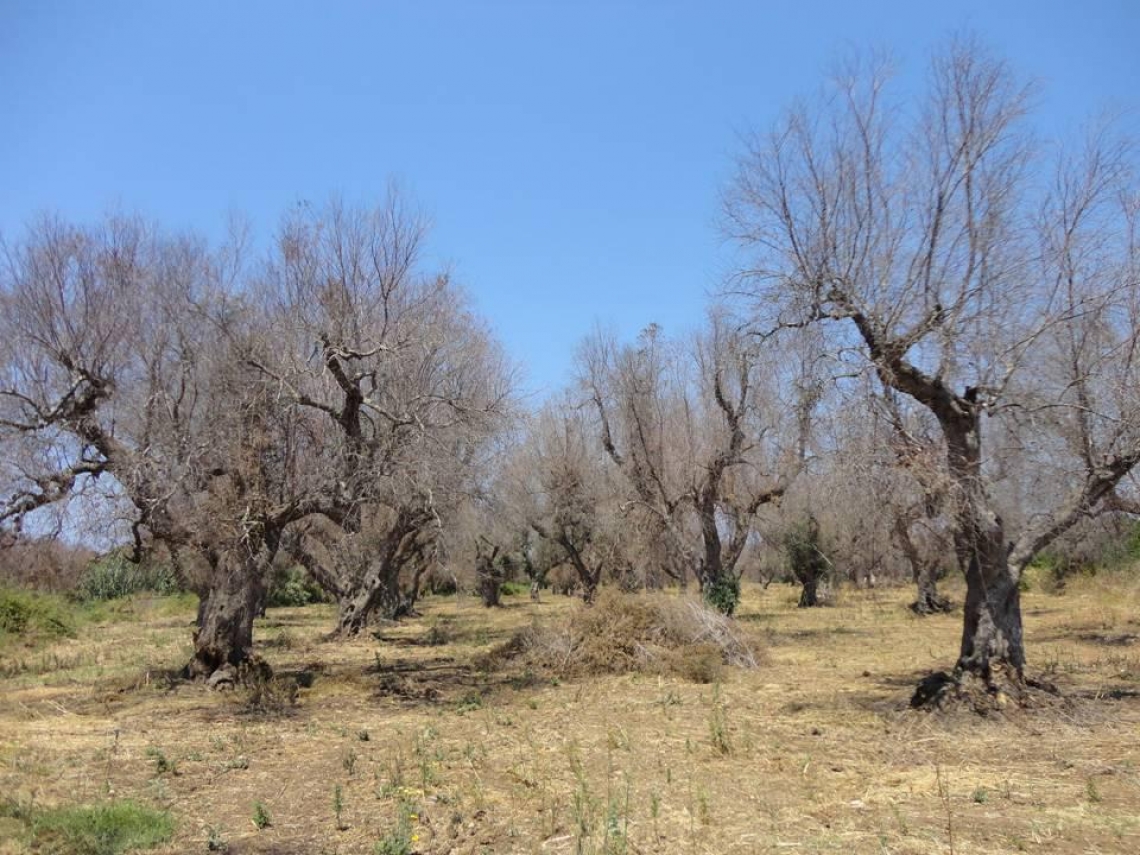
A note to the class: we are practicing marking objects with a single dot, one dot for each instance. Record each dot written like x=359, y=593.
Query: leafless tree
x=560, y=489
x=123, y=363
x=397, y=388
x=916, y=235
x=692, y=430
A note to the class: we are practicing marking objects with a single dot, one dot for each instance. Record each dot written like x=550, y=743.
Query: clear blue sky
x=570, y=154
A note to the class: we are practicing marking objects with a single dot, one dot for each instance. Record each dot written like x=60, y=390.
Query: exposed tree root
x=1002, y=690
x=931, y=605
x=227, y=675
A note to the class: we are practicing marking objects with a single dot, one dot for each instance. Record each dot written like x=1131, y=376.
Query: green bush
x=291, y=587
x=106, y=829
x=114, y=576
x=28, y=615
x=723, y=594
x=514, y=589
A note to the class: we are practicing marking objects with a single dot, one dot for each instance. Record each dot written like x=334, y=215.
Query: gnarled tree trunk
x=992, y=641
x=227, y=607
x=924, y=572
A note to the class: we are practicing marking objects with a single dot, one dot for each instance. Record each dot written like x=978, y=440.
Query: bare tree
x=559, y=488
x=123, y=364
x=691, y=430
x=398, y=389
x=918, y=239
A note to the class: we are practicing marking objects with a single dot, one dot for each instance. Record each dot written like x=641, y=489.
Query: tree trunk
x=924, y=573
x=991, y=663
x=809, y=596
x=928, y=601
x=377, y=595
x=226, y=611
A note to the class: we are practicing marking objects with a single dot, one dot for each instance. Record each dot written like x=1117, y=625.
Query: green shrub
x=28, y=615
x=106, y=829
x=514, y=589
x=261, y=817
x=114, y=576
x=291, y=587
x=723, y=594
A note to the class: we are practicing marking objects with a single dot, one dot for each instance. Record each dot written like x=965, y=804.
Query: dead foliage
x=622, y=633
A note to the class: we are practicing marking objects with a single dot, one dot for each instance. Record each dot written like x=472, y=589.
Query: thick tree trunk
x=991, y=663
x=809, y=596
x=928, y=600
x=925, y=573
x=226, y=611
x=992, y=644
x=378, y=595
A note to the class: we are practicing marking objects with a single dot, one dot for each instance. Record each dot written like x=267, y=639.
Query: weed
x=338, y=807
x=1092, y=792
x=718, y=726
x=400, y=839
x=944, y=796
x=106, y=829
x=470, y=702
x=215, y=841
x=163, y=765
x=981, y=796
x=439, y=634
x=348, y=761
x=261, y=817
x=267, y=696
x=704, y=809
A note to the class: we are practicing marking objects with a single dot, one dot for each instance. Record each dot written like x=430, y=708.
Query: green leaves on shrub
x=113, y=576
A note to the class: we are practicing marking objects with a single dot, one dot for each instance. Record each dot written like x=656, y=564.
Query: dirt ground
x=814, y=751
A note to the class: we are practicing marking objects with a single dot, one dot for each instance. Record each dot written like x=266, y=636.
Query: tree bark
x=924, y=572
x=226, y=612
x=993, y=646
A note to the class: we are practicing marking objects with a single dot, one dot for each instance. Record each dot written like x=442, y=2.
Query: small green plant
x=215, y=841
x=723, y=593
x=348, y=761
x=400, y=839
x=470, y=702
x=338, y=807
x=261, y=817
x=438, y=634
x=1092, y=792
x=981, y=796
x=718, y=726
x=163, y=765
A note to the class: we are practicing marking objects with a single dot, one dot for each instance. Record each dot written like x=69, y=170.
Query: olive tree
x=398, y=389
x=702, y=439
x=123, y=364
x=935, y=240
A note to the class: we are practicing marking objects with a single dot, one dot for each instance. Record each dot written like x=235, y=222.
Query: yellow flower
x=415, y=838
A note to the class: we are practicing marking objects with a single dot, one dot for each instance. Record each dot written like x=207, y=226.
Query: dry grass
x=632, y=633
x=813, y=751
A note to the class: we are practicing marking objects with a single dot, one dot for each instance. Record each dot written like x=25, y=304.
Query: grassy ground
x=400, y=744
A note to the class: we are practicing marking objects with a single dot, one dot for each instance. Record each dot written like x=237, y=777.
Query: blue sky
x=570, y=154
